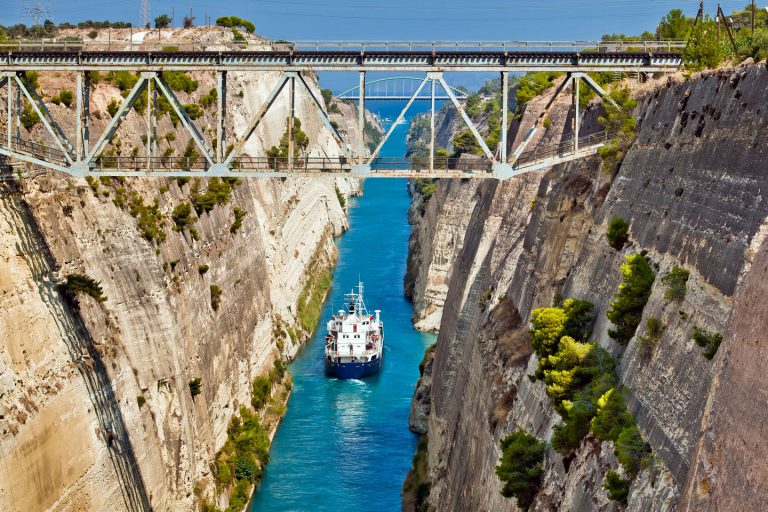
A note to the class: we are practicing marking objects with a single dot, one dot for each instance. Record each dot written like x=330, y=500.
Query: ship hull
x=353, y=370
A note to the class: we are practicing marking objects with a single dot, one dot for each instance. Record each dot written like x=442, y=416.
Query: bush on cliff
x=612, y=416
x=634, y=291
x=79, y=283
x=618, y=233
x=676, y=282
x=617, y=487
x=632, y=451
x=709, y=340
x=521, y=466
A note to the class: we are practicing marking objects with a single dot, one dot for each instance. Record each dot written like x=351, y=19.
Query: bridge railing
x=562, y=148
x=70, y=44
x=36, y=149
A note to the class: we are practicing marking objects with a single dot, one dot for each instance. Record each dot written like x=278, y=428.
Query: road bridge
x=294, y=61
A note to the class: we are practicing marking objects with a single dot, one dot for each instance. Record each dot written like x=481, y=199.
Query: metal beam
x=529, y=136
x=115, y=122
x=399, y=118
x=576, y=98
x=595, y=87
x=326, y=120
x=504, y=114
x=466, y=118
x=257, y=119
x=79, y=117
x=432, y=130
x=9, y=112
x=291, y=115
x=45, y=117
x=86, y=113
x=361, y=119
x=221, y=114
x=150, y=109
x=184, y=117
x=33, y=160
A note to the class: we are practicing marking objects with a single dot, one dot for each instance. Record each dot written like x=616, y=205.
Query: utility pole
x=718, y=24
x=144, y=13
x=753, y=18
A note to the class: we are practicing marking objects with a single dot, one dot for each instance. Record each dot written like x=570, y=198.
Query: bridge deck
x=339, y=60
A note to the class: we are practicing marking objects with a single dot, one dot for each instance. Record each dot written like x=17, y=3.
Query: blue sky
x=394, y=19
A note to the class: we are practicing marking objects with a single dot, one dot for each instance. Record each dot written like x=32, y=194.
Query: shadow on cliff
x=38, y=256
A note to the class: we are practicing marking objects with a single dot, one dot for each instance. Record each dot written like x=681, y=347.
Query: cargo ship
x=354, y=343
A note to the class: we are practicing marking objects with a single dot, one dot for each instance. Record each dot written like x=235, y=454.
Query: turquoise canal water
x=345, y=445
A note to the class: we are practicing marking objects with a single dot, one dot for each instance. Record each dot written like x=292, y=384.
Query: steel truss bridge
x=84, y=157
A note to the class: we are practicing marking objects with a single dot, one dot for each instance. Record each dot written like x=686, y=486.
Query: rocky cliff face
x=691, y=189
x=74, y=433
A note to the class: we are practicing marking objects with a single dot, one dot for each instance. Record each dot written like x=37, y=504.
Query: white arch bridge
x=80, y=156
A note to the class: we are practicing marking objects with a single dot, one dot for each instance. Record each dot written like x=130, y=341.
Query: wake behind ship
x=354, y=345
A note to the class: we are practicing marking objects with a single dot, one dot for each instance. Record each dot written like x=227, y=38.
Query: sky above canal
x=393, y=19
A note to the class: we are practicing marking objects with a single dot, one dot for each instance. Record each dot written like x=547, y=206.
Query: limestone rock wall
x=691, y=189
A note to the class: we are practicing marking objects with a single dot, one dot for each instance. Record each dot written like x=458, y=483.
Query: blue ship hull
x=353, y=370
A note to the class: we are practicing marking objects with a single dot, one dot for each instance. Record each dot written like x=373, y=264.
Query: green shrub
x=29, y=117
x=626, y=310
x=676, y=282
x=567, y=437
x=620, y=122
x=180, y=81
x=618, y=233
x=652, y=335
x=218, y=192
x=617, y=487
x=425, y=187
x=209, y=99
x=112, y=107
x=193, y=110
x=521, y=466
x=202, y=269
x=182, y=216
x=579, y=317
x=238, y=36
x=262, y=390
x=548, y=326
x=150, y=219
x=532, y=85
x=215, y=297
x=141, y=401
x=465, y=142
x=340, y=197
x=239, y=215
x=631, y=451
x=246, y=468
x=75, y=284
x=612, y=416
x=65, y=96
x=572, y=367
x=710, y=341
x=235, y=21
x=93, y=34
x=195, y=386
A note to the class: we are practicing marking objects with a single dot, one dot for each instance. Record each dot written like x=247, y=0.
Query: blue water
x=345, y=445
